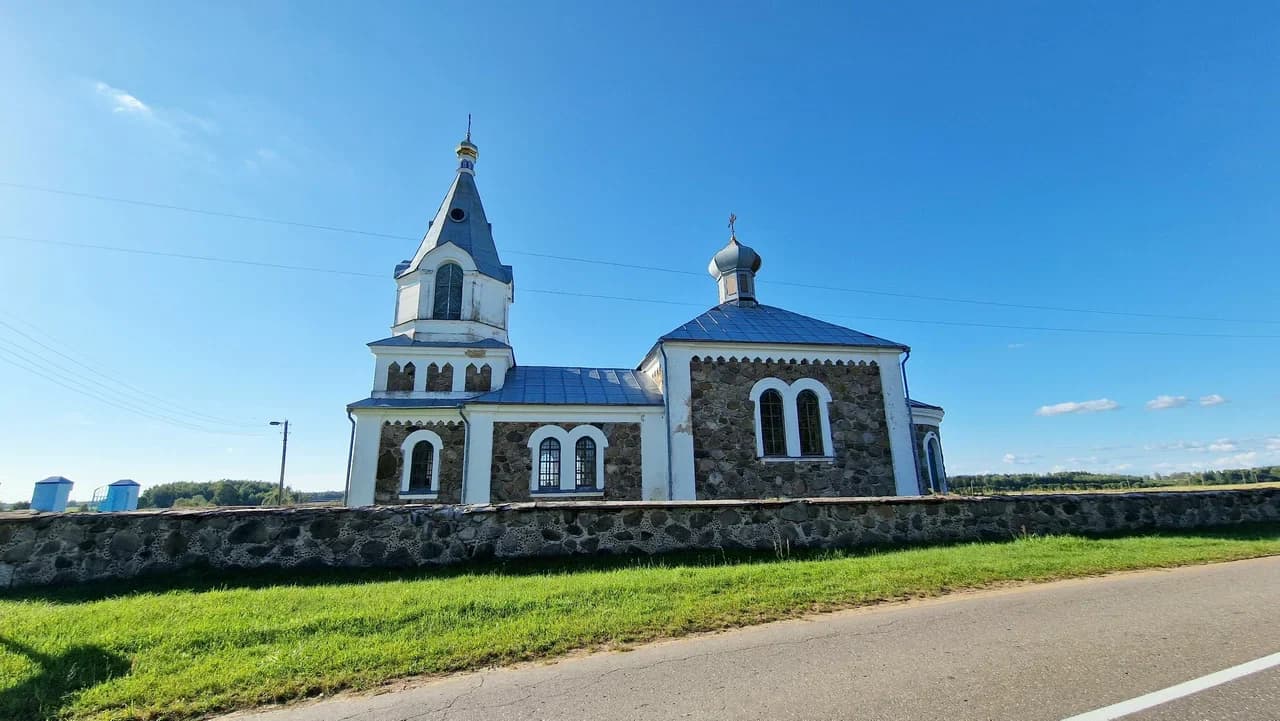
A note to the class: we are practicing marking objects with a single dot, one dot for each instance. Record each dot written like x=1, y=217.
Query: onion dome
x=734, y=269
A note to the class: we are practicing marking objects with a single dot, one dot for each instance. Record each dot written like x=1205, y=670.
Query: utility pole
x=284, y=453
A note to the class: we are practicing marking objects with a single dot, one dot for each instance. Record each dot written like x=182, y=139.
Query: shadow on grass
x=43, y=695
x=199, y=579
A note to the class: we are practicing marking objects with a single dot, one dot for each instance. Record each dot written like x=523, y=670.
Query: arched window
x=448, y=300
x=420, y=464
x=584, y=463
x=809, y=418
x=933, y=464
x=773, y=431
x=421, y=467
x=549, y=464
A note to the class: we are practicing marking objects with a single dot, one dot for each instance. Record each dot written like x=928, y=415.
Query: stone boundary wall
x=57, y=549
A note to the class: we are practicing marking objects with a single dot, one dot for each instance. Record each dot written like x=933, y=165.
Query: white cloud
x=1015, y=459
x=1094, y=406
x=1238, y=460
x=1160, y=403
x=1015, y=346
x=1223, y=445
x=1273, y=444
x=1122, y=466
x=1213, y=399
x=122, y=102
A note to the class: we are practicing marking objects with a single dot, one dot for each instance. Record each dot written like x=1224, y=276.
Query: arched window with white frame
x=420, y=474
x=549, y=465
x=935, y=472
x=792, y=419
x=580, y=473
x=584, y=463
x=809, y=422
x=448, y=293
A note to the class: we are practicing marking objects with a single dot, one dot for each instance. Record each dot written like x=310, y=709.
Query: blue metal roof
x=917, y=404
x=54, y=480
x=550, y=385
x=472, y=233
x=733, y=323
x=406, y=342
x=407, y=403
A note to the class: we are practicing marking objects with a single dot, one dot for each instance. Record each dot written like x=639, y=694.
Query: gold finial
x=733, y=233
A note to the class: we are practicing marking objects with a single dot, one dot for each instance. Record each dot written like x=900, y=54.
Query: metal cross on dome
x=733, y=233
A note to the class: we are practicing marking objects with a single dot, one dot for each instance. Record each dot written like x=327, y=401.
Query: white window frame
x=568, y=449
x=791, y=416
x=406, y=454
x=941, y=472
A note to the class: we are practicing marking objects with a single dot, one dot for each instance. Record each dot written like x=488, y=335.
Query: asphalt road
x=1036, y=653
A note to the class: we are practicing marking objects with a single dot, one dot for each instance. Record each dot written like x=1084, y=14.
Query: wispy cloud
x=121, y=101
x=1017, y=460
x=1094, y=406
x=1160, y=403
x=1015, y=346
x=1273, y=444
x=1213, y=399
x=187, y=131
x=1223, y=445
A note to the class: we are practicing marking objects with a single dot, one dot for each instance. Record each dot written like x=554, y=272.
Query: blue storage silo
x=121, y=496
x=51, y=494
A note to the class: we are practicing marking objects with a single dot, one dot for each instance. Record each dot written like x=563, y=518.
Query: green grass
x=197, y=645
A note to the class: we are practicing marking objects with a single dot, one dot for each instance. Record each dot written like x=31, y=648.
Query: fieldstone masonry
x=391, y=460
x=724, y=441
x=513, y=460
x=42, y=549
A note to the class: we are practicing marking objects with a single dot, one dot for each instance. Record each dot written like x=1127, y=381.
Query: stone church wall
x=65, y=548
x=724, y=441
x=513, y=460
x=391, y=460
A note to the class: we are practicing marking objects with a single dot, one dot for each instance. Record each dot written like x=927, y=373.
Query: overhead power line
x=138, y=393
x=24, y=363
x=548, y=291
x=615, y=264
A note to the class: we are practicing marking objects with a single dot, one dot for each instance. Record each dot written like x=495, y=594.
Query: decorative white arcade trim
x=406, y=451
x=790, y=414
x=568, y=456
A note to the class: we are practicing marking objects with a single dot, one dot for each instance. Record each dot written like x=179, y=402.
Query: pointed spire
x=468, y=153
x=734, y=269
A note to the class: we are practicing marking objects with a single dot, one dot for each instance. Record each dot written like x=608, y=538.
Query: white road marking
x=1155, y=698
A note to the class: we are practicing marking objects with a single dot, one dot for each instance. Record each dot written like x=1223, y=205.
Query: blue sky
x=1114, y=156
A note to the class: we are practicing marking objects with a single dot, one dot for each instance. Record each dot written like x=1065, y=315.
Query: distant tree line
x=1085, y=481
x=226, y=492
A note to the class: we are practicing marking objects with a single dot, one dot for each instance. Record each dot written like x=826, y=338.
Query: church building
x=745, y=401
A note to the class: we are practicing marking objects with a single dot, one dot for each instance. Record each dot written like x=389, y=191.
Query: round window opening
x=457, y=215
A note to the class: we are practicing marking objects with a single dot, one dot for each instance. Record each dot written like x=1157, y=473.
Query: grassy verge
x=195, y=646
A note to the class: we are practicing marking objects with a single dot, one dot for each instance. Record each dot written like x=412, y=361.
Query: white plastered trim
x=568, y=454
x=406, y=452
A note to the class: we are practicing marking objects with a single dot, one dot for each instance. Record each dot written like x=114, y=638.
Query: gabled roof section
x=733, y=323
x=471, y=232
x=550, y=385
x=404, y=341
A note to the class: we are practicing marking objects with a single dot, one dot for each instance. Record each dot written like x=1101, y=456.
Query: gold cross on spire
x=733, y=233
